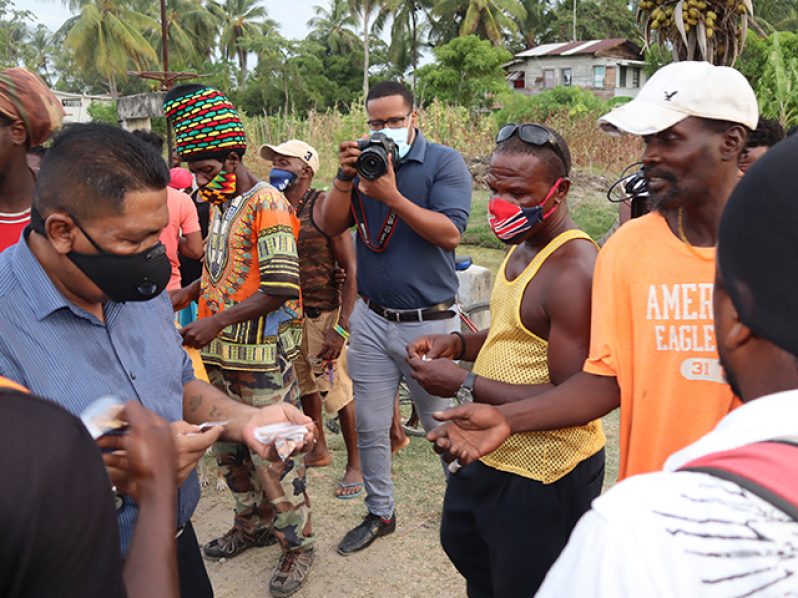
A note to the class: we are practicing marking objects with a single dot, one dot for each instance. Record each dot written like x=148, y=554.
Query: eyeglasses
x=391, y=123
x=534, y=135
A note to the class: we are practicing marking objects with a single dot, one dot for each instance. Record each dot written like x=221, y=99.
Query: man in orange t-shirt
x=652, y=351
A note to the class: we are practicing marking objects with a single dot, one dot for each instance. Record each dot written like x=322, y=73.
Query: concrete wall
x=136, y=111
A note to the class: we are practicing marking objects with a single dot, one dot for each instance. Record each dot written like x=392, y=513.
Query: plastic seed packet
x=285, y=437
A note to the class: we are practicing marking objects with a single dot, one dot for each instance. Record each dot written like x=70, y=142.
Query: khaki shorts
x=315, y=377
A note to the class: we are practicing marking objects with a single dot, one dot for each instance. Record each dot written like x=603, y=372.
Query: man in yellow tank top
x=506, y=518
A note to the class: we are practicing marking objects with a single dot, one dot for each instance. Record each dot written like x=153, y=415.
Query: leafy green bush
x=575, y=101
x=104, y=112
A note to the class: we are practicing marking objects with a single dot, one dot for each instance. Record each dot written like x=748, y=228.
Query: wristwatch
x=465, y=394
x=343, y=177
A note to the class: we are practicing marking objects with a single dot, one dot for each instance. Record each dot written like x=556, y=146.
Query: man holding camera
x=409, y=199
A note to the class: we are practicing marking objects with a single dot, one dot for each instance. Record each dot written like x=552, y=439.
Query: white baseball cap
x=293, y=148
x=683, y=89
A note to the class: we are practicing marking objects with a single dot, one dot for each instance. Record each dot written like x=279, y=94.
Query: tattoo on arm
x=215, y=412
x=194, y=403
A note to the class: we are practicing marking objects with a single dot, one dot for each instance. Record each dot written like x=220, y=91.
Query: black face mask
x=135, y=277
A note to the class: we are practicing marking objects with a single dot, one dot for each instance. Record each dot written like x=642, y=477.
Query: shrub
x=104, y=112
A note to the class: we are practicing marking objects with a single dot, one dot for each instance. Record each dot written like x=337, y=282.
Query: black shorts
x=503, y=532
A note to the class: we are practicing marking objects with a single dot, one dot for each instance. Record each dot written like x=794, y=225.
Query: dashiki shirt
x=251, y=248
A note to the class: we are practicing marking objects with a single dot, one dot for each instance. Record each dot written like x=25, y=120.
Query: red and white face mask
x=511, y=222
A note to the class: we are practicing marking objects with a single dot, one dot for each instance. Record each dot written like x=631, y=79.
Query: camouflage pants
x=266, y=493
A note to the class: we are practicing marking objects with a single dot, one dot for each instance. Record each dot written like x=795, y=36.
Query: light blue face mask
x=400, y=138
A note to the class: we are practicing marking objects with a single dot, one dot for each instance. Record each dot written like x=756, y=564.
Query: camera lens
x=372, y=163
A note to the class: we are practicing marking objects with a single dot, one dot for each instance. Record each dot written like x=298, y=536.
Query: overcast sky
x=292, y=15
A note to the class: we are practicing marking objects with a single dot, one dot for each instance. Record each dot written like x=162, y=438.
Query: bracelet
x=460, y=355
x=340, y=330
x=343, y=177
x=339, y=189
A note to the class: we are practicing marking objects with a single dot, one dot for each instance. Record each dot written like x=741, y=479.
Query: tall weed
x=473, y=136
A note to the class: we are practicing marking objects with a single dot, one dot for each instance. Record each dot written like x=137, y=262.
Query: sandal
x=343, y=487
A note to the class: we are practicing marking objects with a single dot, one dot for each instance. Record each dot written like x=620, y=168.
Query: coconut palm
x=711, y=30
x=107, y=36
x=489, y=19
x=240, y=19
x=365, y=10
x=192, y=30
x=410, y=26
x=534, y=23
x=333, y=27
x=39, y=51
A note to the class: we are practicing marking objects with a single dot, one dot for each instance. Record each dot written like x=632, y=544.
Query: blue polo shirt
x=62, y=353
x=413, y=273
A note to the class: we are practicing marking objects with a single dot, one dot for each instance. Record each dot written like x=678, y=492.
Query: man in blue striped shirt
x=83, y=315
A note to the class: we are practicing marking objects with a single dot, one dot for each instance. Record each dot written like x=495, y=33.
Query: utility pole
x=574, y=36
x=166, y=83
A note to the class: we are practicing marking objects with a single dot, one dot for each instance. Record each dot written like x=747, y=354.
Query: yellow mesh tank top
x=515, y=355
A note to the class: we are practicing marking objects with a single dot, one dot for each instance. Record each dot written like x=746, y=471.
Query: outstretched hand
x=469, y=432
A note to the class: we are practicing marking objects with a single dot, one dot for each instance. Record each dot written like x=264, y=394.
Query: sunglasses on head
x=534, y=135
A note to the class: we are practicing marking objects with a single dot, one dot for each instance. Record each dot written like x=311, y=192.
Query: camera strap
x=362, y=224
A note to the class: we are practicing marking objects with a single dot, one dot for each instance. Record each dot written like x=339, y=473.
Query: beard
x=666, y=200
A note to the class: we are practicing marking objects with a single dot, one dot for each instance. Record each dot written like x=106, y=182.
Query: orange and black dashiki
x=252, y=248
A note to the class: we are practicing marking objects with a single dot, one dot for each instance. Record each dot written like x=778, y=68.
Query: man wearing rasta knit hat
x=249, y=328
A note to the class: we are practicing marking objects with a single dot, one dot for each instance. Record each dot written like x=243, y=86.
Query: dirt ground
x=408, y=563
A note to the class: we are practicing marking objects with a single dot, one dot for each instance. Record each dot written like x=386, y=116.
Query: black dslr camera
x=373, y=160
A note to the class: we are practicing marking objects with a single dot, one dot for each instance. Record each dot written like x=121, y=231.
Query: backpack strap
x=768, y=469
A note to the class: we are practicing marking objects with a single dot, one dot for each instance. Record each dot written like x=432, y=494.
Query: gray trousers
x=377, y=352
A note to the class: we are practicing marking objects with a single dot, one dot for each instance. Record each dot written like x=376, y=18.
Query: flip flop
x=342, y=486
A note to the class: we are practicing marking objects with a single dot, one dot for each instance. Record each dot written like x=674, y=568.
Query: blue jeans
x=377, y=352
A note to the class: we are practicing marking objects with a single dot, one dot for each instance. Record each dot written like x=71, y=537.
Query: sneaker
x=363, y=535
x=236, y=541
x=291, y=572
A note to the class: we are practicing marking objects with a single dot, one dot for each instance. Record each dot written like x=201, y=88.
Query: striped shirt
x=63, y=353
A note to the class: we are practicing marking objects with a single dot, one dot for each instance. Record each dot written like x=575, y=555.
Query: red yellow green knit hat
x=206, y=124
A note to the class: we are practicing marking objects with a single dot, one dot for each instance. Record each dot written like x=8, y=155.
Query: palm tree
x=534, y=24
x=106, y=36
x=240, y=19
x=333, y=27
x=192, y=30
x=39, y=51
x=716, y=32
x=408, y=29
x=365, y=9
x=489, y=19
x=203, y=26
